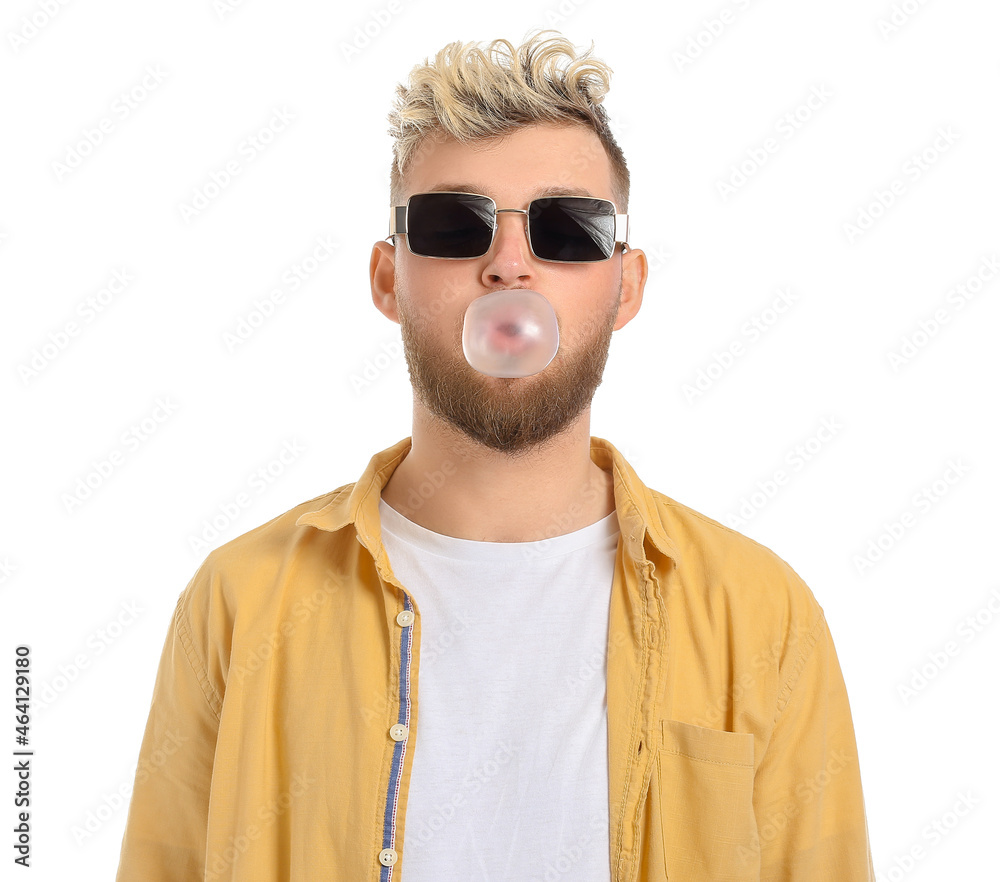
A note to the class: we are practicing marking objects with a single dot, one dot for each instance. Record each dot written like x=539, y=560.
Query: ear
x=382, y=270
x=635, y=271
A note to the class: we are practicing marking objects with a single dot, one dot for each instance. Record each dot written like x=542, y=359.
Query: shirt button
x=405, y=617
x=387, y=857
x=398, y=732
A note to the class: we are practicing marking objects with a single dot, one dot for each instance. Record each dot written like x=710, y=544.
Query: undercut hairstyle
x=470, y=93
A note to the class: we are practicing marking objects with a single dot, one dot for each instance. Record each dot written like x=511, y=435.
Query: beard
x=512, y=415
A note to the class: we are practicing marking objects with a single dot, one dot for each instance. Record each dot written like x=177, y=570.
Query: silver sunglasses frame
x=398, y=216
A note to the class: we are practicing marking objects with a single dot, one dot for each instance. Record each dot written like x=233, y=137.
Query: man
x=498, y=655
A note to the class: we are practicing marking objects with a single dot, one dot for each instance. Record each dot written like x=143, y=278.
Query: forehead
x=540, y=160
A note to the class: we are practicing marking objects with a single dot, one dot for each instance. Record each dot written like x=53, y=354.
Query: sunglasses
x=457, y=226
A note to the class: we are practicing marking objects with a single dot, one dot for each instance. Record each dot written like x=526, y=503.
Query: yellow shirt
x=288, y=692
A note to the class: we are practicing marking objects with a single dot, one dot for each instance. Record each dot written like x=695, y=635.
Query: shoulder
x=749, y=577
x=247, y=565
x=731, y=589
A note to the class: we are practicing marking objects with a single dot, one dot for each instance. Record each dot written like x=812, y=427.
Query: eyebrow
x=465, y=187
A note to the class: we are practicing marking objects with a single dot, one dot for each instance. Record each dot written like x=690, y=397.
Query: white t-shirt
x=510, y=764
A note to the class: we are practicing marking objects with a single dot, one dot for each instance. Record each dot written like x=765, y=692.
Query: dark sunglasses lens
x=449, y=224
x=572, y=228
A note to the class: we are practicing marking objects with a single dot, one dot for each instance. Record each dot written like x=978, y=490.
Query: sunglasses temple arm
x=621, y=229
x=397, y=219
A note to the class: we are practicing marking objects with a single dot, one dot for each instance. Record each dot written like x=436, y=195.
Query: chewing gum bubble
x=511, y=333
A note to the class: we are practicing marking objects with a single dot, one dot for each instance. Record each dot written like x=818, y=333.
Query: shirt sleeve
x=166, y=830
x=808, y=800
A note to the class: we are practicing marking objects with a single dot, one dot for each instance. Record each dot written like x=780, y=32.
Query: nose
x=510, y=254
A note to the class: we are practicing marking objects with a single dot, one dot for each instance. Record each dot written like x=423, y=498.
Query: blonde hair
x=471, y=93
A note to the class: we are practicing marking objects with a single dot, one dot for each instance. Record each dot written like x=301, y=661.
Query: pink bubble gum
x=511, y=333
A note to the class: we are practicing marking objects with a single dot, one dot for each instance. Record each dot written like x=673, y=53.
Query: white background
x=70, y=572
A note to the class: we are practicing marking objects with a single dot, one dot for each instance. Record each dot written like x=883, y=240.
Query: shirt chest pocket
x=705, y=781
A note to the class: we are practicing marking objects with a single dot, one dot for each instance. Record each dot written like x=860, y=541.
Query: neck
x=452, y=485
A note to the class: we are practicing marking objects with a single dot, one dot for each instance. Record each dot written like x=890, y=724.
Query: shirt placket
x=399, y=733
